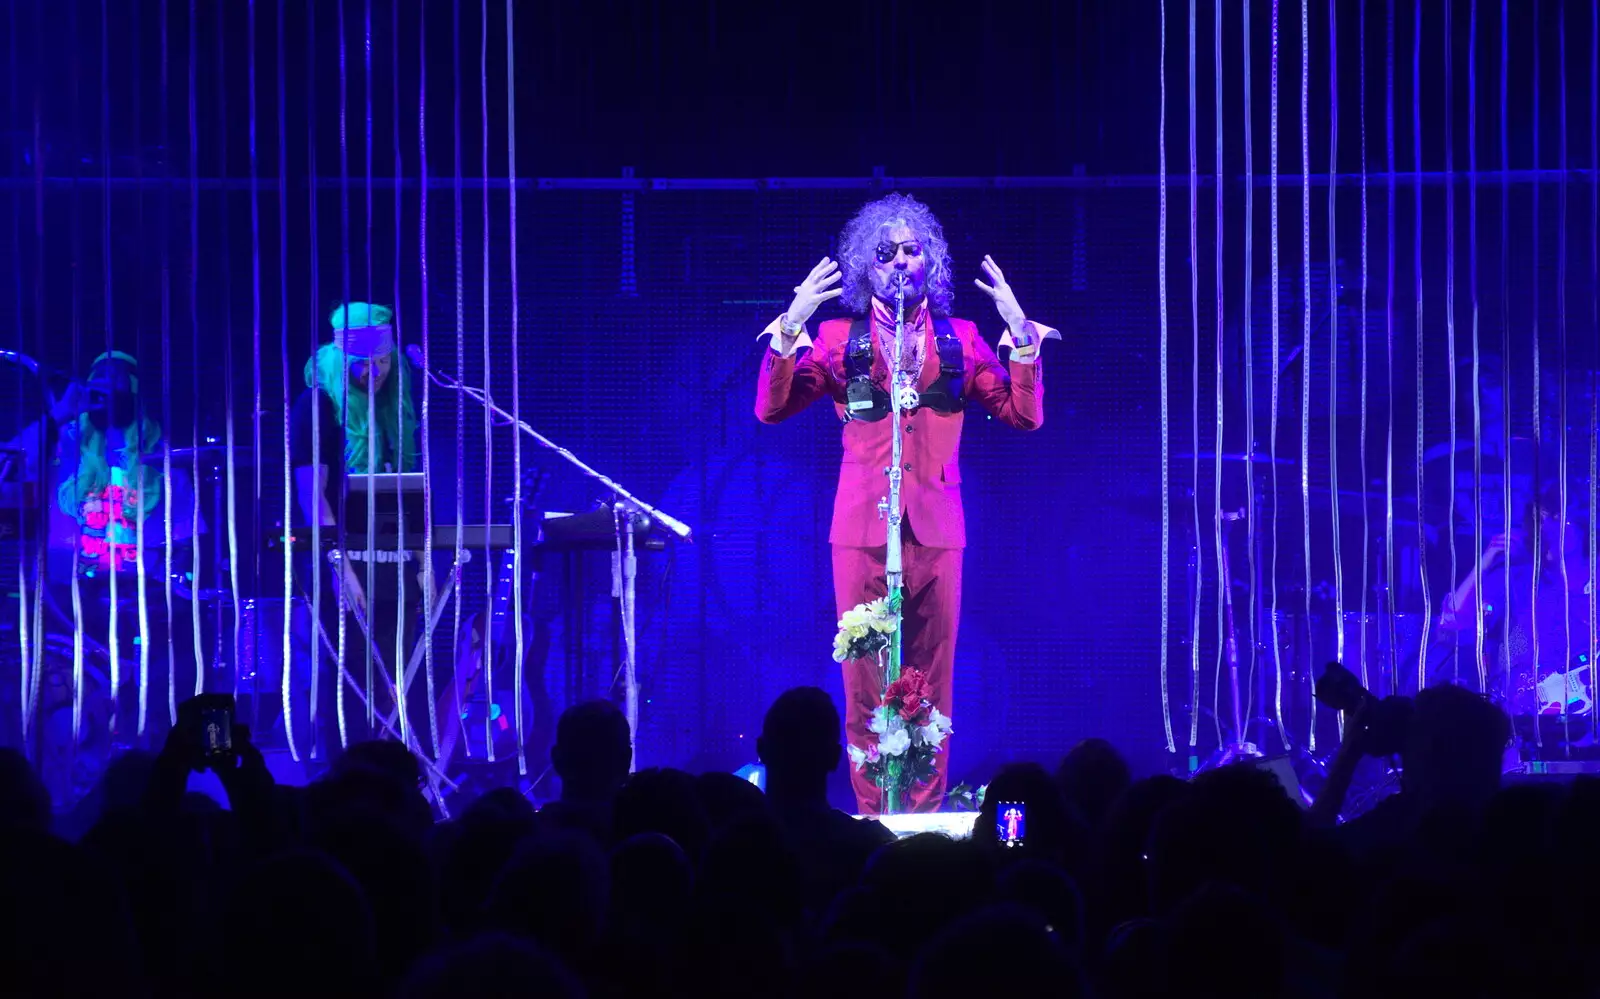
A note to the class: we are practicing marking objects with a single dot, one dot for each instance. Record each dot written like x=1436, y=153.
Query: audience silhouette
x=665, y=883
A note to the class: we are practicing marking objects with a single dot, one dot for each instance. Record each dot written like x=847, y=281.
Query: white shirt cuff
x=782, y=345
x=1025, y=342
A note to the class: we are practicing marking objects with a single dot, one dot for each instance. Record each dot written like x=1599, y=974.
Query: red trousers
x=929, y=615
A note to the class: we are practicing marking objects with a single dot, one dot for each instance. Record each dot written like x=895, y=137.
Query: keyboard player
x=356, y=415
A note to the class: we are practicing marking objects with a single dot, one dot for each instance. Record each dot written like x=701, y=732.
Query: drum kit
x=1286, y=622
x=1292, y=603
x=76, y=719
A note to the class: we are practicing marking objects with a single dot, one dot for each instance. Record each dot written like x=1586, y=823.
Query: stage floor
x=956, y=825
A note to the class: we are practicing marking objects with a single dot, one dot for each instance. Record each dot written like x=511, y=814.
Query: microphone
x=414, y=355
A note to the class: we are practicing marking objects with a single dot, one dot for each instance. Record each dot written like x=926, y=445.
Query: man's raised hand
x=813, y=291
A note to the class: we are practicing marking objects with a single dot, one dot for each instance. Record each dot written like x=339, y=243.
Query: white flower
x=895, y=742
x=930, y=735
x=858, y=756
x=886, y=722
x=938, y=720
x=841, y=647
x=855, y=617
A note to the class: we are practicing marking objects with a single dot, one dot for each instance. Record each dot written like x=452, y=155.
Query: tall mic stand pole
x=901, y=397
x=625, y=563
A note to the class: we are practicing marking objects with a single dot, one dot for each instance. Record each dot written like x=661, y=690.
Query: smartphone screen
x=1011, y=823
x=216, y=724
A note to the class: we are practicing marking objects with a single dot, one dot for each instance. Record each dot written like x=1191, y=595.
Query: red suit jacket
x=931, y=484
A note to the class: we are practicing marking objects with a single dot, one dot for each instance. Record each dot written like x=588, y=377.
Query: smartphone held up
x=1011, y=823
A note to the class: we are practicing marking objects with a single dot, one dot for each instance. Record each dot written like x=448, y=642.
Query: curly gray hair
x=859, y=239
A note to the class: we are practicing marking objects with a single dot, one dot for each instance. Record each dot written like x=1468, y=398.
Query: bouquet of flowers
x=865, y=631
x=910, y=732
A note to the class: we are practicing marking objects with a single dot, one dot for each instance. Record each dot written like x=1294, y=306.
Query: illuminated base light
x=956, y=825
x=755, y=773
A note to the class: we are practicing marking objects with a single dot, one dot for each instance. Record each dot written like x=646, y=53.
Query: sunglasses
x=887, y=251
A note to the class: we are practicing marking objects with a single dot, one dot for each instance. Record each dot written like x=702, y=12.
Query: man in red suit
x=891, y=241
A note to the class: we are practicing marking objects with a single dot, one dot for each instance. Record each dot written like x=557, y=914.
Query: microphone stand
x=901, y=390
x=625, y=563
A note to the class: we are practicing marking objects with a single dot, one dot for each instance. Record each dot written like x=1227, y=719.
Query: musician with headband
x=897, y=241
x=356, y=415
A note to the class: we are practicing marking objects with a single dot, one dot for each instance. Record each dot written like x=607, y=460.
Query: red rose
x=908, y=694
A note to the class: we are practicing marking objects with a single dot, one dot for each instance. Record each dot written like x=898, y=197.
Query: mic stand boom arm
x=625, y=563
x=673, y=524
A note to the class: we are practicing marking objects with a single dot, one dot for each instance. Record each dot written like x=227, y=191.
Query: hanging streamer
x=229, y=471
x=1477, y=352
x=1224, y=638
x=1561, y=335
x=1305, y=343
x=285, y=684
x=1416, y=153
x=1505, y=319
x=1538, y=371
x=1366, y=481
x=1277, y=367
x=1250, y=525
x=1166, y=422
x=166, y=367
x=24, y=617
x=77, y=365
x=231, y=494
x=194, y=575
x=1450, y=315
x=142, y=584
x=1388, y=471
x=112, y=644
x=397, y=658
x=457, y=721
x=516, y=405
x=1333, y=342
x=488, y=420
x=364, y=620
x=1194, y=400
x=37, y=660
x=380, y=664
x=1594, y=320
x=257, y=385
x=429, y=588
x=314, y=326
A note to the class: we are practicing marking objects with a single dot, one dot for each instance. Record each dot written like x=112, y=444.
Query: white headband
x=365, y=341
